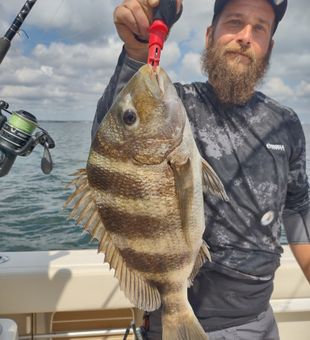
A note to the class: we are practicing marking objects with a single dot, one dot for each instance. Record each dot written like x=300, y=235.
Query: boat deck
x=72, y=294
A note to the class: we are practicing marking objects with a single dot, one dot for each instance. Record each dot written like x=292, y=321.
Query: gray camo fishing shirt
x=258, y=151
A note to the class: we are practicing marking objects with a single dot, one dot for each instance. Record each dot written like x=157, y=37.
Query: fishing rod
x=20, y=132
x=5, y=41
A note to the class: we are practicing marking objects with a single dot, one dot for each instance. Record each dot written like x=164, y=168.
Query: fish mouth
x=158, y=81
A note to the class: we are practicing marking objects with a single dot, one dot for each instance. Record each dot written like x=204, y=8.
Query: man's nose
x=244, y=37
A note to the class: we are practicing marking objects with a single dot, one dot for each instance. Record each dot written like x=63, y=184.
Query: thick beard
x=232, y=86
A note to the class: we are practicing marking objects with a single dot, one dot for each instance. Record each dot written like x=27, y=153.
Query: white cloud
x=170, y=54
x=79, y=56
x=59, y=81
x=275, y=87
x=303, y=89
x=61, y=71
x=190, y=67
x=84, y=19
x=30, y=76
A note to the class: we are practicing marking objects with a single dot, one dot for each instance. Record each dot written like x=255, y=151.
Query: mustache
x=243, y=51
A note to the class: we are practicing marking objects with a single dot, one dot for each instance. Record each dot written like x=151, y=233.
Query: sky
x=61, y=61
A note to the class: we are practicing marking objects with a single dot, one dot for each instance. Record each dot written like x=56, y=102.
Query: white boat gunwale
x=49, y=282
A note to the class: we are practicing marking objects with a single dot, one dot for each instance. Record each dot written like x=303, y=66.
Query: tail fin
x=184, y=327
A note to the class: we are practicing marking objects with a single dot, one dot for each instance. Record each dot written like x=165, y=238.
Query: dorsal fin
x=142, y=294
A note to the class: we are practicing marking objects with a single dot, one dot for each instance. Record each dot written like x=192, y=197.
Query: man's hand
x=133, y=17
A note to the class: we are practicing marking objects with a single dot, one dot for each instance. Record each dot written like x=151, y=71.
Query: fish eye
x=129, y=117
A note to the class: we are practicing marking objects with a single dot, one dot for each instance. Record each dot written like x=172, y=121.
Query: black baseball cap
x=279, y=7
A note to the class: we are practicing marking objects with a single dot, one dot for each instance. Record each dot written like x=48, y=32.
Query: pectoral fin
x=211, y=182
x=180, y=164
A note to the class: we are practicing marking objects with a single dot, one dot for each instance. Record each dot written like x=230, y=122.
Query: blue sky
x=60, y=72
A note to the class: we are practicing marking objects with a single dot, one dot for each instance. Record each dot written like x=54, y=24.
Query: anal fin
x=85, y=211
x=201, y=258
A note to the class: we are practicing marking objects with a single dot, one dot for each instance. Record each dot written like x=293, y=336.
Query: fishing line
x=51, y=21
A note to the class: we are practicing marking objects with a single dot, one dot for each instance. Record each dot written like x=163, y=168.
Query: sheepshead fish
x=141, y=196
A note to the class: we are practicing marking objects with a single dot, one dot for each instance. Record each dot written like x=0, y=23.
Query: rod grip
x=4, y=47
x=167, y=12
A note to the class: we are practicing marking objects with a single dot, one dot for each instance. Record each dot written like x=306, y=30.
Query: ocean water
x=31, y=203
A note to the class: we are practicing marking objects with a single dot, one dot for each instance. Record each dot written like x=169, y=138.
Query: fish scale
x=141, y=196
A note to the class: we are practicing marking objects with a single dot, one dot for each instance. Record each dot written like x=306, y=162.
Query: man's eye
x=259, y=28
x=235, y=22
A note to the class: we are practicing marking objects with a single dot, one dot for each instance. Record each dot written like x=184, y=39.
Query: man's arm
x=132, y=19
x=125, y=69
x=297, y=226
x=296, y=215
x=302, y=255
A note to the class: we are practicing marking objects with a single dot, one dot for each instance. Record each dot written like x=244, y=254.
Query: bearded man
x=257, y=148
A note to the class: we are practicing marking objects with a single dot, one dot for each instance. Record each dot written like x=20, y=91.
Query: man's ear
x=208, y=35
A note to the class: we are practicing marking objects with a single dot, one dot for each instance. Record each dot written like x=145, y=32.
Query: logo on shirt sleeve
x=275, y=147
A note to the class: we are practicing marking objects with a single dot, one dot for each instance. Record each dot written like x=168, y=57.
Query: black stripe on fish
x=168, y=287
x=155, y=263
x=111, y=177
x=132, y=225
x=114, y=182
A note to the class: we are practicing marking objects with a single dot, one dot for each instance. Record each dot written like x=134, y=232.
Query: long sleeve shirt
x=258, y=151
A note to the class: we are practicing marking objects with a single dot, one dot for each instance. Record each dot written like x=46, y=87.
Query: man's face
x=238, y=49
